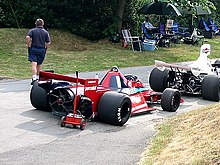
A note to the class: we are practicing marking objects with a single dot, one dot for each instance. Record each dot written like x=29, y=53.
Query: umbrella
x=197, y=9
x=159, y=8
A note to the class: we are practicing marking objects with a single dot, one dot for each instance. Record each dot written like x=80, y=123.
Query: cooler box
x=149, y=45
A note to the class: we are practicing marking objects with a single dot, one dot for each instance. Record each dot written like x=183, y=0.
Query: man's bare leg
x=34, y=71
x=38, y=70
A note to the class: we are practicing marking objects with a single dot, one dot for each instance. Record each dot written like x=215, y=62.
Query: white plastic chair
x=169, y=25
x=128, y=39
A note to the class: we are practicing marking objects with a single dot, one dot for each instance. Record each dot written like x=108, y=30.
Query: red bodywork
x=140, y=96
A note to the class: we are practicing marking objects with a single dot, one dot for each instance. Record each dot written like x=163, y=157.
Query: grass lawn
x=69, y=53
x=191, y=138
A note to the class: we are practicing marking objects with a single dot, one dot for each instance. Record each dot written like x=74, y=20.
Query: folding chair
x=206, y=30
x=169, y=26
x=145, y=33
x=166, y=40
x=149, y=36
x=194, y=38
x=162, y=29
x=181, y=31
x=134, y=41
x=213, y=26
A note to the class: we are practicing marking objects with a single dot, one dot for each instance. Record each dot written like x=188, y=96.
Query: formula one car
x=112, y=101
x=198, y=78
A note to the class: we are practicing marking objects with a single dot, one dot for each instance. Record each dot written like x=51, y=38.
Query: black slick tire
x=170, y=100
x=158, y=79
x=62, y=124
x=114, y=108
x=210, y=88
x=39, y=98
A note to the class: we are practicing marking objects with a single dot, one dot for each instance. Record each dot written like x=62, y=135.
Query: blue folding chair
x=149, y=36
x=205, y=28
x=145, y=33
x=213, y=26
x=162, y=29
x=180, y=31
x=203, y=25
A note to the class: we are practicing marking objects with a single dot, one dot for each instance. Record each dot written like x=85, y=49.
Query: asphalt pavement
x=29, y=136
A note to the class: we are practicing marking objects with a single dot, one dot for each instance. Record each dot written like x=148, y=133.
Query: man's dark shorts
x=36, y=55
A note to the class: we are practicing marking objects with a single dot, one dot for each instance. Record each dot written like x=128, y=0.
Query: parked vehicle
x=112, y=100
x=199, y=78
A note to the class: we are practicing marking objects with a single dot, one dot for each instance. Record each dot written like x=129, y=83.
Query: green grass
x=159, y=143
x=69, y=53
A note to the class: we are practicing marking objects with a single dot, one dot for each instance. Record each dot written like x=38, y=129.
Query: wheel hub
x=60, y=100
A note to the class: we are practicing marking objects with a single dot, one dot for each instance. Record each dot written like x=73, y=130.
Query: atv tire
x=114, y=108
x=170, y=100
x=211, y=88
x=158, y=79
x=39, y=98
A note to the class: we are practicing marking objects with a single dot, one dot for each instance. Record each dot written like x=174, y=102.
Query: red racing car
x=112, y=100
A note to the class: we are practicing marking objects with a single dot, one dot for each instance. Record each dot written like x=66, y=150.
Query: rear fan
x=61, y=101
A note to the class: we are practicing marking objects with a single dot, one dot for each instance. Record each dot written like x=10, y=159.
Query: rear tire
x=158, y=79
x=170, y=100
x=114, y=108
x=39, y=98
x=211, y=88
x=216, y=63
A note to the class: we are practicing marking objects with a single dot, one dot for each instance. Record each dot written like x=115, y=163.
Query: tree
x=92, y=19
x=217, y=12
x=120, y=14
x=189, y=4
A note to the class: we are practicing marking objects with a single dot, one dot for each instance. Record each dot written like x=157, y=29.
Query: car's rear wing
x=164, y=64
x=84, y=81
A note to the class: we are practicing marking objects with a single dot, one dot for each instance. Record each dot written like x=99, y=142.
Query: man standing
x=38, y=41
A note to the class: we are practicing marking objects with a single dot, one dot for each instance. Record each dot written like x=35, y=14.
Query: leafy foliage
x=92, y=19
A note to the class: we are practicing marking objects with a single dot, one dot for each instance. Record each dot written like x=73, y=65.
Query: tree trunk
x=14, y=14
x=120, y=14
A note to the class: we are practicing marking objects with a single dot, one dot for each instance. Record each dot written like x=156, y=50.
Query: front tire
x=82, y=124
x=170, y=100
x=210, y=89
x=158, y=79
x=114, y=108
x=39, y=97
x=62, y=124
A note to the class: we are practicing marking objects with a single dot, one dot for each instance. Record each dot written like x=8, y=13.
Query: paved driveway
x=30, y=136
